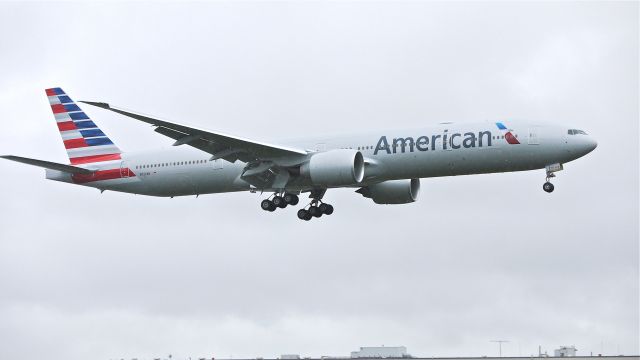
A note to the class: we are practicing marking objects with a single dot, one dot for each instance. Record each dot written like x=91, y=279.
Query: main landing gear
x=279, y=201
x=316, y=208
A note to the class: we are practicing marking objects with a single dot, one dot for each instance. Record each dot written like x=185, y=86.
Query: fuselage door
x=534, y=135
x=218, y=164
x=124, y=170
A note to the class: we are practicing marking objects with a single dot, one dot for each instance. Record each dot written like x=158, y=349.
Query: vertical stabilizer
x=84, y=141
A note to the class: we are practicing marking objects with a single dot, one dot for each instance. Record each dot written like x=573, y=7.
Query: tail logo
x=511, y=139
x=84, y=141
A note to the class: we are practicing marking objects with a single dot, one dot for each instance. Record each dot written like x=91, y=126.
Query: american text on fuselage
x=421, y=143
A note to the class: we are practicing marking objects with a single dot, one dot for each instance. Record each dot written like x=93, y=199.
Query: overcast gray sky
x=89, y=275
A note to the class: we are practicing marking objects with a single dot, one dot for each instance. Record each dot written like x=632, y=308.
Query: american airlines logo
x=444, y=141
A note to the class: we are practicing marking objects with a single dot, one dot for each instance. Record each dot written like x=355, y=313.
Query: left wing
x=219, y=145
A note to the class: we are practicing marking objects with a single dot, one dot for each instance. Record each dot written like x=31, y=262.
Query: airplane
x=384, y=166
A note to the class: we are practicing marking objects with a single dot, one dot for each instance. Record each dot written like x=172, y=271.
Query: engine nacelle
x=339, y=167
x=392, y=191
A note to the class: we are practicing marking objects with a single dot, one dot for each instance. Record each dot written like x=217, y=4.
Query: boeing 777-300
x=385, y=166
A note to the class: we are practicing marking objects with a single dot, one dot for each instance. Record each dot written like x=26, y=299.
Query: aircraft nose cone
x=591, y=144
x=587, y=144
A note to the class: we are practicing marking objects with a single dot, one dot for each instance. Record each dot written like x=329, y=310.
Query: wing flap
x=217, y=151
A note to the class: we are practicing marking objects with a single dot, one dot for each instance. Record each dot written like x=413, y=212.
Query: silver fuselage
x=470, y=148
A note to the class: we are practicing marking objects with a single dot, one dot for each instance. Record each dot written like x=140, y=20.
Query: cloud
x=478, y=257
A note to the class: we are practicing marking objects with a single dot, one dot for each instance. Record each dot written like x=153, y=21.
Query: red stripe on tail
x=58, y=108
x=94, y=158
x=75, y=143
x=66, y=126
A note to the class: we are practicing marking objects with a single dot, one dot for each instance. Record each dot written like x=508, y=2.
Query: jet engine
x=392, y=191
x=339, y=167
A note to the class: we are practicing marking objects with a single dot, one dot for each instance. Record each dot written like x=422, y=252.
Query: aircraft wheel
x=322, y=207
x=304, y=215
x=291, y=199
x=279, y=202
x=315, y=211
x=328, y=210
x=267, y=205
x=548, y=187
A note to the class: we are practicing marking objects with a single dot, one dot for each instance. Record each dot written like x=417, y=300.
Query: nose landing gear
x=548, y=186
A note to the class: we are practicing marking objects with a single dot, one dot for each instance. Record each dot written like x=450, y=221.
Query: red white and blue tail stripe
x=84, y=141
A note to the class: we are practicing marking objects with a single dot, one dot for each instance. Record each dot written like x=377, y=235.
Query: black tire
x=302, y=214
x=266, y=205
x=548, y=187
x=322, y=207
x=315, y=211
x=291, y=199
x=328, y=210
x=279, y=202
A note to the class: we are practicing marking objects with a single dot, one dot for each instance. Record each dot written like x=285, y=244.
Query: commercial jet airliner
x=385, y=166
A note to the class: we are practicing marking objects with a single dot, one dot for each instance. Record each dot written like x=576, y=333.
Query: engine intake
x=392, y=191
x=339, y=167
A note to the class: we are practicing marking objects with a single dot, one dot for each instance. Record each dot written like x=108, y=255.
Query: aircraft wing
x=219, y=145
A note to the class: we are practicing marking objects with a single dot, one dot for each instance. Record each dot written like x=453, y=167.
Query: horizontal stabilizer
x=49, y=165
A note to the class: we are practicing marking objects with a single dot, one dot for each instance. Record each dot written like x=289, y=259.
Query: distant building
x=565, y=351
x=381, y=352
x=290, y=357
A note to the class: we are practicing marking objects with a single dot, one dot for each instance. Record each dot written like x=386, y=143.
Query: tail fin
x=84, y=141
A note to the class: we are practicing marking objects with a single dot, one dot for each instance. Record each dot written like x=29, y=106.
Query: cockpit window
x=576, y=132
